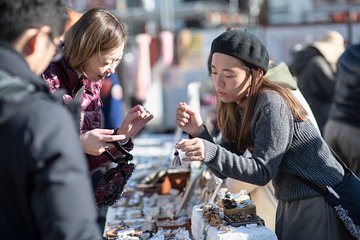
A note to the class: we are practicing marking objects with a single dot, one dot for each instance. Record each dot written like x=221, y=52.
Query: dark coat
x=346, y=103
x=44, y=180
x=316, y=81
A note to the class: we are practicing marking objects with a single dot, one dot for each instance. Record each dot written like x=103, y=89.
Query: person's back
x=315, y=69
x=46, y=191
x=342, y=130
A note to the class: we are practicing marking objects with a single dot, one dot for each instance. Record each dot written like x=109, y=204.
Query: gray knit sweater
x=285, y=150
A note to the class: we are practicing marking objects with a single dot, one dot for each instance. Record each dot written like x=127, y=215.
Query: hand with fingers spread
x=189, y=120
x=193, y=148
x=135, y=120
x=95, y=141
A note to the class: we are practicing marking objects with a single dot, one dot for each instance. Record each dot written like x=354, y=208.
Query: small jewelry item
x=176, y=161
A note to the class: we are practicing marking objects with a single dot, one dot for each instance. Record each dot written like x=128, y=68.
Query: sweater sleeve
x=271, y=133
x=205, y=135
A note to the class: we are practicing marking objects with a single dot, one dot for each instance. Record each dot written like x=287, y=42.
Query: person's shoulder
x=59, y=69
x=270, y=100
x=53, y=69
x=50, y=106
x=351, y=54
x=269, y=96
x=306, y=54
x=46, y=111
x=355, y=48
x=348, y=75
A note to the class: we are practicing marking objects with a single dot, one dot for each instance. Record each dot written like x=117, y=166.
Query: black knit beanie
x=242, y=45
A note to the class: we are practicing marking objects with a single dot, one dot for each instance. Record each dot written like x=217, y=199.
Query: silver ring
x=147, y=111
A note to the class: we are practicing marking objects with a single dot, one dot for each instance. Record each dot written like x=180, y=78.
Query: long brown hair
x=236, y=128
x=98, y=30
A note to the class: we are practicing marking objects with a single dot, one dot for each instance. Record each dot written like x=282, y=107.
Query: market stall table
x=138, y=213
x=200, y=230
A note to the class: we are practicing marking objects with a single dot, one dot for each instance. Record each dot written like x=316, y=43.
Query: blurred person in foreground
x=266, y=119
x=45, y=186
x=315, y=69
x=342, y=131
x=92, y=49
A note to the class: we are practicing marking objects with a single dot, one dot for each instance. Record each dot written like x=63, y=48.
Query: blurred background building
x=169, y=40
x=173, y=13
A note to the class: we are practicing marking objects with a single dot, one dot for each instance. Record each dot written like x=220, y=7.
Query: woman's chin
x=96, y=79
x=225, y=100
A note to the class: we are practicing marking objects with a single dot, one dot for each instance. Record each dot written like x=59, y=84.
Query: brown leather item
x=113, y=182
x=174, y=180
x=165, y=180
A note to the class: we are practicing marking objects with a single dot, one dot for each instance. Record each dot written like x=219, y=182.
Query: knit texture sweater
x=284, y=150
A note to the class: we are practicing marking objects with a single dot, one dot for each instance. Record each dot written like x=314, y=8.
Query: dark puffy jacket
x=316, y=81
x=59, y=75
x=44, y=179
x=346, y=103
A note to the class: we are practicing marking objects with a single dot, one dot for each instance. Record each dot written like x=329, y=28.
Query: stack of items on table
x=232, y=217
x=238, y=209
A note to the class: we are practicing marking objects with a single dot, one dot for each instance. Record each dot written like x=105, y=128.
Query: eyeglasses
x=59, y=53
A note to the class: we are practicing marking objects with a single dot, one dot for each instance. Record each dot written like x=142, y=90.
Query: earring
x=248, y=92
x=82, y=69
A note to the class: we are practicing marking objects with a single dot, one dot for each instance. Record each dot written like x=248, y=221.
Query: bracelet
x=115, y=130
x=121, y=142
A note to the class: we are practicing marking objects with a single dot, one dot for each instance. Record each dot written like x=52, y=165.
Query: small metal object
x=147, y=111
x=176, y=161
x=332, y=191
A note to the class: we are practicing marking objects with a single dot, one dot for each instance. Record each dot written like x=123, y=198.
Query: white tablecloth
x=200, y=230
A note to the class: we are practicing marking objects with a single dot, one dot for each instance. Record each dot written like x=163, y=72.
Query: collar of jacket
x=13, y=63
x=68, y=77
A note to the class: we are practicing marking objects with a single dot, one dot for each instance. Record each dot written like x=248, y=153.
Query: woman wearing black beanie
x=256, y=114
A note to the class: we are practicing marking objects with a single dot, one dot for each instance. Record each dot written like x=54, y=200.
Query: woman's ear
x=260, y=73
x=30, y=44
x=34, y=48
x=33, y=38
x=25, y=45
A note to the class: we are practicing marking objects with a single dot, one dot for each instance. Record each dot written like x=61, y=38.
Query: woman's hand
x=193, y=149
x=135, y=120
x=188, y=120
x=95, y=141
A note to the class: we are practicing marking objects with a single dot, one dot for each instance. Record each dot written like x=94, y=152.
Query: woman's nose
x=111, y=69
x=219, y=80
